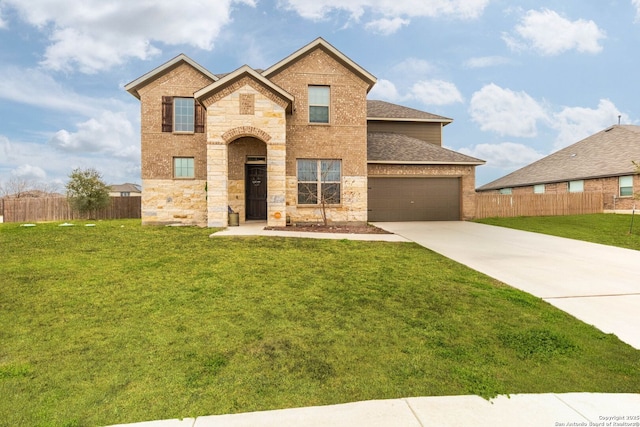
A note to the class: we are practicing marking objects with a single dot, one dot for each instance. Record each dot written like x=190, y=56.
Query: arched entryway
x=247, y=172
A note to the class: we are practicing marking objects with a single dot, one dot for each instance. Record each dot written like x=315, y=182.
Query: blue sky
x=521, y=79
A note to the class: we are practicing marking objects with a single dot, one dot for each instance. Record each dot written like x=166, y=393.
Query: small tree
x=86, y=191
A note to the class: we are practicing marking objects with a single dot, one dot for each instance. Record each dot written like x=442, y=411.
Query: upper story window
x=538, y=189
x=319, y=104
x=507, y=190
x=625, y=184
x=182, y=115
x=125, y=194
x=576, y=186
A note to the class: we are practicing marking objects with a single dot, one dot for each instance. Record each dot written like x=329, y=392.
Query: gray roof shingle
x=607, y=153
x=386, y=110
x=396, y=148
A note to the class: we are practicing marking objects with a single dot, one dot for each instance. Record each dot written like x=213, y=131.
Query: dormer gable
x=163, y=69
x=261, y=83
x=320, y=43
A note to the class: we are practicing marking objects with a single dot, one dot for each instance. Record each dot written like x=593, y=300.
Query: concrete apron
x=597, y=284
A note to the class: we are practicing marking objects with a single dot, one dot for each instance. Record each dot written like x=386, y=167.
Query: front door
x=256, y=192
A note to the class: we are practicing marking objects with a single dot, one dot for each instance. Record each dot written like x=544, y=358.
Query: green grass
x=606, y=229
x=119, y=323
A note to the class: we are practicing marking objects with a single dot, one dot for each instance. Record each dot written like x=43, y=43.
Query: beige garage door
x=414, y=199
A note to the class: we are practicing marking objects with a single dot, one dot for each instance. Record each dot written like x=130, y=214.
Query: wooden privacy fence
x=34, y=209
x=504, y=205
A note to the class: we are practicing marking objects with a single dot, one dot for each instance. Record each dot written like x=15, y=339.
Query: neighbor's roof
x=394, y=148
x=132, y=188
x=381, y=110
x=607, y=153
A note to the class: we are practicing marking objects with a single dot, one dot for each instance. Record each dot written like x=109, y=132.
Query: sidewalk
x=522, y=410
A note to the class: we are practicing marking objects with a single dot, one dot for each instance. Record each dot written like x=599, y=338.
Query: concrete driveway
x=597, y=284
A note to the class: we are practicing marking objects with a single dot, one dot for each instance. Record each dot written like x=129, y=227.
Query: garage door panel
x=414, y=199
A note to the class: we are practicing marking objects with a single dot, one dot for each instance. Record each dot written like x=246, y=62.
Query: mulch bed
x=321, y=228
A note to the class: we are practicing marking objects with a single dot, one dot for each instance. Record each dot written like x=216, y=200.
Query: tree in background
x=86, y=191
x=20, y=187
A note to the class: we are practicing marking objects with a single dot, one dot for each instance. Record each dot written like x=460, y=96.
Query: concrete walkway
x=512, y=257
x=522, y=410
x=597, y=284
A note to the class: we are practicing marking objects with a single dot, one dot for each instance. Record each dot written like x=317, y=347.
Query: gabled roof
x=241, y=72
x=132, y=188
x=607, y=153
x=381, y=110
x=133, y=87
x=387, y=147
x=320, y=43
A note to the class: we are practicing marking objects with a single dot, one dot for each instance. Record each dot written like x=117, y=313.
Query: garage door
x=414, y=199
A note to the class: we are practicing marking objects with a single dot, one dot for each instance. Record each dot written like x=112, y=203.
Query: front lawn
x=119, y=323
x=607, y=229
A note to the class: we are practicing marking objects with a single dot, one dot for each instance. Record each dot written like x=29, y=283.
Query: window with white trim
x=183, y=167
x=625, y=185
x=576, y=186
x=183, y=114
x=319, y=181
x=319, y=104
x=538, y=189
x=506, y=190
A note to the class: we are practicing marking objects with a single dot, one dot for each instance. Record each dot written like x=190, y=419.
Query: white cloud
x=385, y=90
x=413, y=67
x=111, y=133
x=427, y=92
x=549, y=34
x=93, y=35
x=386, y=26
x=506, y=112
x=505, y=155
x=577, y=123
x=487, y=61
x=436, y=92
x=636, y=4
x=39, y=89
x=388, y=9
x=29, y=172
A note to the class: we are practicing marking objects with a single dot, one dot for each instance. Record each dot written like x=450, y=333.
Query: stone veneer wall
x=344, y=138
x=229, y=117
x=174, y=202
x=465, y=172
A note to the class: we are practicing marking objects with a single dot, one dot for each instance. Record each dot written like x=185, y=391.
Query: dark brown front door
x=256, y=191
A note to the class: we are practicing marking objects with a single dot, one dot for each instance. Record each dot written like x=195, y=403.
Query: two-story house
x=289, y=143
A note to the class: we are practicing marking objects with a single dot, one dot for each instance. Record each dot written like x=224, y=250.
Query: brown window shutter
x=199, y=118
x=167, y=114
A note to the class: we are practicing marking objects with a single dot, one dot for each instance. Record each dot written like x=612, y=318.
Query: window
x=183, y=167
x=576, y=186
x=625, y=184
x=319, y=104
x=538, y=189
x=506, y=191
x=319, y=182
x=182, y=115
x=125, y=194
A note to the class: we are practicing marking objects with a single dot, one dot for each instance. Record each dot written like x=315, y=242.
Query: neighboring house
x=278, y=144
x=125, y=190
x=601, y=163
